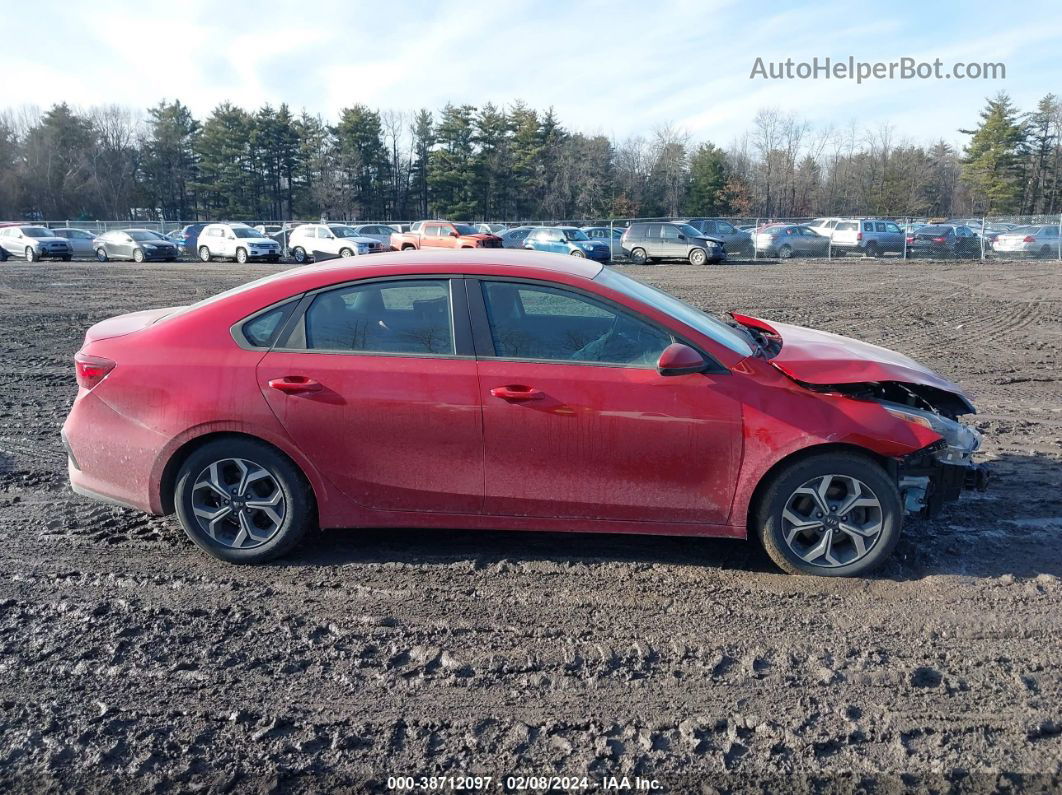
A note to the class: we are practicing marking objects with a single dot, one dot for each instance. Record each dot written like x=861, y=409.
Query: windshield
x=245, y=232
x=36, y=231
x=575, y=234
x=465, y=229
x=143, y=234
x=343, y=231
x=706, y=324
x=690, y=231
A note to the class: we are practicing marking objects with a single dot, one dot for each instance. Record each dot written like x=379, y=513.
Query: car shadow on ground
x=1013, y=528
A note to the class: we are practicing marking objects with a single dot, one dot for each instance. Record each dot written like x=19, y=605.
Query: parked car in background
x=736, y=241
x=34, y=243
x=268, y=230
x=823, y=226
x=235, y=241
x=1030, y=241
x=491, y=229
x=943, y=240
x=381, y=233
x=612, y=235
x=871, y=237
x=342, y=397
x=790, y=240
x=139, y=245
x=309, y=241
x=80, y=240
x=568, y=240
x=515, y=237
x=187, y=238
x=653, y=241
x=443, y=234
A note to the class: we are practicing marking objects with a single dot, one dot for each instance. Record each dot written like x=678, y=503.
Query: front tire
x=638, y=256
x=831, y=514
x=786, y=251
x=578, y=253
x=698, y=257
x=346, y=252
x=241, y=256
x=31, y=255
x=138, y=256
x=243, y=501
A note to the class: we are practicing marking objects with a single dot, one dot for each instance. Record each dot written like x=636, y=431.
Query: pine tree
x=423, y=143
x=170, y=162
x=993, y=163
x=450, y=173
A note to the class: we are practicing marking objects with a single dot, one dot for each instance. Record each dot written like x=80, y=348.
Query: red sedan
x=520, y=391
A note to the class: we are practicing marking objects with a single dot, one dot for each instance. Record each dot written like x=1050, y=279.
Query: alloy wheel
x=832, y=520
x=238, y=503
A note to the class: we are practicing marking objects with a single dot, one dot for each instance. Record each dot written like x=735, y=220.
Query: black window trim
x=484, y=341
x=459, y=321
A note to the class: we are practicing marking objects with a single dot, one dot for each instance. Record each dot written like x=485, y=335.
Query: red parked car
x=509, y=390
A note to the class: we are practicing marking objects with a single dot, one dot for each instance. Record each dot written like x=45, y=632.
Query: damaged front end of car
x=935, y=475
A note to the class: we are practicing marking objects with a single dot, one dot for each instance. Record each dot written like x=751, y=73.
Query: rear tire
x=204, y=254
x=787, y=509
x=698, y=257
x=101, y=255
x=67, y=257
x=267, y=520
x=638, y=256
x=872, y=250
x=299, y=255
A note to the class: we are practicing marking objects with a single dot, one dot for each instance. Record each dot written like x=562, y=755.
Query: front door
x=371, y=387
x=578, y=423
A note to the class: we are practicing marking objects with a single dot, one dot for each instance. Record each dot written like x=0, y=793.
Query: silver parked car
x=34, y=243
x=653, y=241
x=515, y=237
x=871, y=237
x=1030, y=241
x=790, y=240
x=80, y=241
x=379, y=232
x=139, y=245
x=737, y=241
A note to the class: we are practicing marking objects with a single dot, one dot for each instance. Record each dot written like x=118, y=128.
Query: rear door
x=654, y=245
x=376, y=383
x=579, y=424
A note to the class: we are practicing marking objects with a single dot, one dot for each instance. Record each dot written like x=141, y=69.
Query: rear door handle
x=295, y=384
x=517, y=392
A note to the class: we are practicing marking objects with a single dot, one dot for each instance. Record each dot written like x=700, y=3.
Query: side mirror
x=679, y=359
x=682, y=237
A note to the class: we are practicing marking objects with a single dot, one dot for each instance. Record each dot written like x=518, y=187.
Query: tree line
x=506, y=163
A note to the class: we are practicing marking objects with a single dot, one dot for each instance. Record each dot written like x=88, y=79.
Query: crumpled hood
x=819, y=357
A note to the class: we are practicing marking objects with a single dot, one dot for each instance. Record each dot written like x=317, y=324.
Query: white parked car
x=34, y=243
x=80, y=241
x=236, y=241
x=309, y=241
x=1030, y=241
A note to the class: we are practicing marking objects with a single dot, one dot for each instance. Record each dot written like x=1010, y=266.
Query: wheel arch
x=168, y=477
x=769, y=476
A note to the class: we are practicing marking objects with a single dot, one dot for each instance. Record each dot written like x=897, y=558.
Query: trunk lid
x=120, y=325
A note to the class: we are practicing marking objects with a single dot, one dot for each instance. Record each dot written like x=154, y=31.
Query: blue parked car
x=568, y=240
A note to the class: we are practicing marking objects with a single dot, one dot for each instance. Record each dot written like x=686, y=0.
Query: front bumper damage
x=938, y=474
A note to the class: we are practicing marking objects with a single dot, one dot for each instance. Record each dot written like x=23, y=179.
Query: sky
x=614, y=68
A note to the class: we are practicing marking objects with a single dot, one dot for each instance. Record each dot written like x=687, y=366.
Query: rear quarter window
x=261, y=330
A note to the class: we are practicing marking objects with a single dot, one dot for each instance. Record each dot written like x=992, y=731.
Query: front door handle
x=517, y=392
x=295, y=384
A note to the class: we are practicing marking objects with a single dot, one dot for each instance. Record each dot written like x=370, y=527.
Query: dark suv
x=736, y=241
x=657, y=240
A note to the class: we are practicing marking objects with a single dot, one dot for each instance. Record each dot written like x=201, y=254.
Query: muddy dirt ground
x=128, y=660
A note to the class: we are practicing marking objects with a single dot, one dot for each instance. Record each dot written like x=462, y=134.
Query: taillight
x=940, y=240
x=91, y=370
x=910, y=239
x=1028, y=239
x=859, y=235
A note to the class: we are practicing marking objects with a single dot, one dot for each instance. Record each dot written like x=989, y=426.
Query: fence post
x=1060, y=236
x=755, y=232
x=611, y=238
x=906, y=231
x=982, y=238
